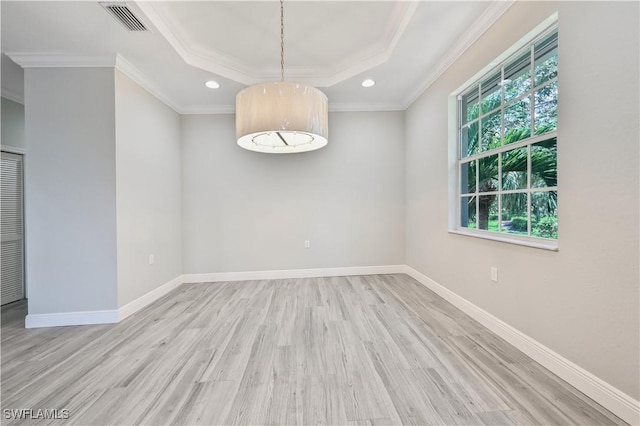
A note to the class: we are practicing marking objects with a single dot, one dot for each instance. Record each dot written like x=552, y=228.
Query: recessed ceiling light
x=212, y=84
x=368, y=83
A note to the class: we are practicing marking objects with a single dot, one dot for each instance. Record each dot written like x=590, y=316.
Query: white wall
x=246, y=211
x=12, y=124
x=148, y=190
x=583, y=301
x=70, y=189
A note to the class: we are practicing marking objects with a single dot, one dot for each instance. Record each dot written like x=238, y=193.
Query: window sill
x=543, y=244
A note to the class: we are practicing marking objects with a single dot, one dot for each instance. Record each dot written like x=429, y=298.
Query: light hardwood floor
x=363, y=350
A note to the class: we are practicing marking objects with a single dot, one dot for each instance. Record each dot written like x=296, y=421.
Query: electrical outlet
x=151, y=259
x=494, y=274
x=307, y=244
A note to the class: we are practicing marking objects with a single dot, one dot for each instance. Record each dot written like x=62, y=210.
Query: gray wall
x=70, y=189
x=246, y=211
x=89, y=132
x=148, y=190
x=12, y=124
x=583, y=301
x=12, y=81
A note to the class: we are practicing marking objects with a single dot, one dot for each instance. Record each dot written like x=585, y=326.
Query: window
x=507, y=147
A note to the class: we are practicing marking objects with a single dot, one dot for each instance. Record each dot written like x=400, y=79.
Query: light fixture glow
x=281, y=117
x=368, y=83
x=211, y=84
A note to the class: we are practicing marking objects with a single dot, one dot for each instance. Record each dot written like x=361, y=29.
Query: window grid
x=527, y=142
x=509, y=103
x=511, y=146
x=532, y=104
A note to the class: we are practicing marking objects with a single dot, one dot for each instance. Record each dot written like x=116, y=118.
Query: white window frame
x=454, y=148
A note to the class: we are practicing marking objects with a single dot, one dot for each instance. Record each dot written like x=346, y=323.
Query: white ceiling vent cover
x=123, y=14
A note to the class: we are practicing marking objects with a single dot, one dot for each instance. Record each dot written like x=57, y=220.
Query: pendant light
x=281, y=117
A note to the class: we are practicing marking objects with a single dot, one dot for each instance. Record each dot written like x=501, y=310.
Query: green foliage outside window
x=512, y=191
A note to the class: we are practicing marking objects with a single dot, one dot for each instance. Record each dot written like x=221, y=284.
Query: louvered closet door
x=12, y=252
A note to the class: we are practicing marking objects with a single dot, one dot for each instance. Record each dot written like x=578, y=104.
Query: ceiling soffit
x=177, y=90
x=372, y=51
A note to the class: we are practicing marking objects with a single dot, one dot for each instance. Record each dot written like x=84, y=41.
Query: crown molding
x=333, y=107
x=495, y=10
x=117, y=61
x=42, y=60
x=61, y=60
x=208, y=109
x=128, y=69
x=12, y=96
x=364, y=107
x=235, y=71
x=228, y=67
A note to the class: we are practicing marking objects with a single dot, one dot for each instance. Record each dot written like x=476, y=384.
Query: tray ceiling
x=333, y=45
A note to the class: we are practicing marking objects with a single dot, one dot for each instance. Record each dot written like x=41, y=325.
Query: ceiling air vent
x=123, y=14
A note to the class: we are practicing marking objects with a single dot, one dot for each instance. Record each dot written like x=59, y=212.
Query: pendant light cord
x=281, y=40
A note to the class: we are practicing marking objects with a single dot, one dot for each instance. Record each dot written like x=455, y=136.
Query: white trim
x=359, y=107
x=12, y=96
x=339, y=107
x=128, y=69
x=509, y=147
x=333, y=107
x=45, y=60
x=613, y=399
x=116, y=315
x=148, y=298
x=13, y=149
x=38, y=60
x=71, y=318
x=208, y=109
x=519, y=240
x=53, y=60
x=495, y=10
x=453, y=184
x=119, y=62
x=233, y=69
x=101, y=317
x=454, y=160
x=545, y=25
x=292, y=273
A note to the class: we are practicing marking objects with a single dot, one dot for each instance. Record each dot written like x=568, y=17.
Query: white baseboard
x=146, y=299
x=116, y=315
x=293, y=273
x=100, y=317
x=71, y=318
x=613, y=399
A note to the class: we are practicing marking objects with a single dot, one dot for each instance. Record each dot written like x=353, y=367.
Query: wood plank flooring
x=361, y=350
